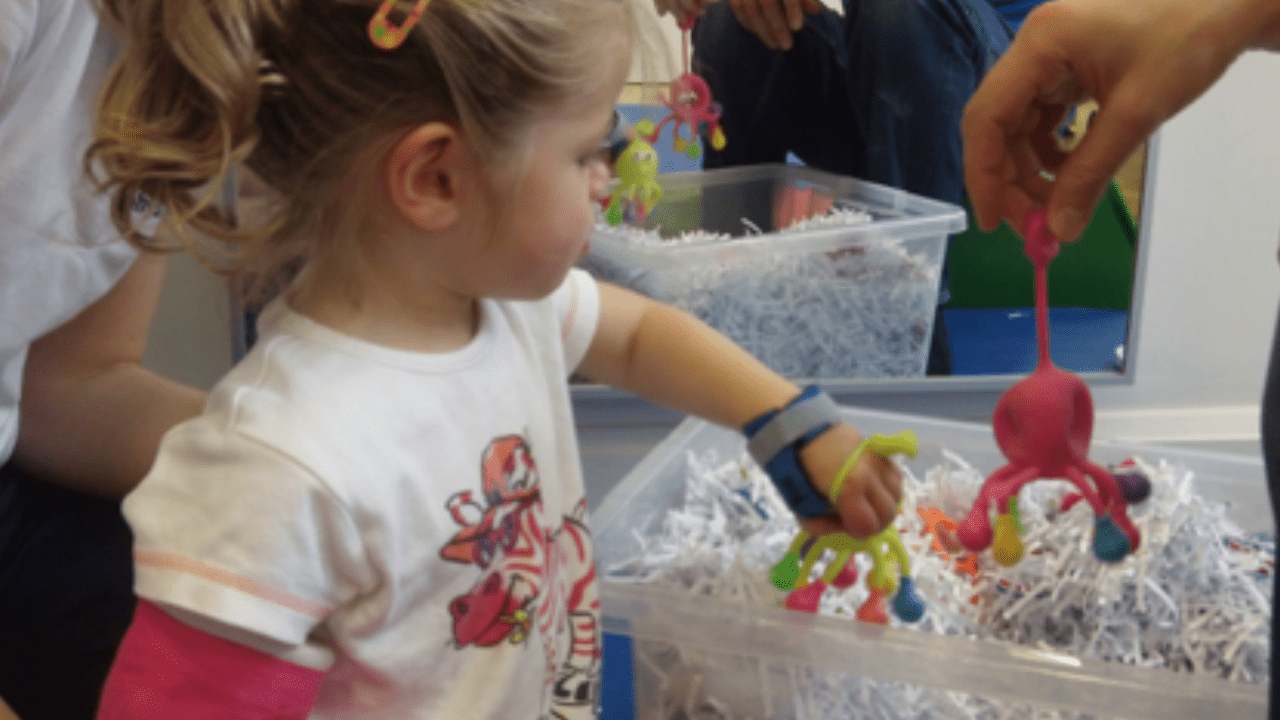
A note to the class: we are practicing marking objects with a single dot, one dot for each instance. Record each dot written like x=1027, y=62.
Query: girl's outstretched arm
x=167, y=669
x=670, y=357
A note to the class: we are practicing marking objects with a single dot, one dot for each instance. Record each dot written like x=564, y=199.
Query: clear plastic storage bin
x=754, y=658
x=829, y=298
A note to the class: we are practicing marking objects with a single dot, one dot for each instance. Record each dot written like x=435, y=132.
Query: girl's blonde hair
x=296, y=91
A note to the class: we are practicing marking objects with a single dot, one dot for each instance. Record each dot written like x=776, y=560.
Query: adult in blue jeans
x=876, y=93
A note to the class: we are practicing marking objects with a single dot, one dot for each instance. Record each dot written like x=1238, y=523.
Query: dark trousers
x=1271, y=458
x=66, y=597
x=877, y=95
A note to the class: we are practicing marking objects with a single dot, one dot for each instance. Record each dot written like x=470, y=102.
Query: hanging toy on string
x=638, y=190
x=1043, y=425
x=689, y=100
x=885, y=549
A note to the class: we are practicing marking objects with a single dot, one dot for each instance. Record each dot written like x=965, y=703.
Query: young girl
x=380, y=513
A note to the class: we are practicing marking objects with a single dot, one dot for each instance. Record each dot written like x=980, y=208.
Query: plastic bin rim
x=928, y=217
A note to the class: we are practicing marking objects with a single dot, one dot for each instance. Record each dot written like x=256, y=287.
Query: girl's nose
x=599, y=179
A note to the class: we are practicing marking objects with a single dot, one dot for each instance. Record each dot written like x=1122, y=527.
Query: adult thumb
x=1086, y=172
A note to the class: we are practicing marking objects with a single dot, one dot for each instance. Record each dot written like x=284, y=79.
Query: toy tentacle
x=810, y=559
x=801, y=538
x=1007, y=485
x=898, y=551
x=1119, y=507
x=1078, y=479
x=652, y=193
x=974, y=532
x=1108, y=486
x=657, y=130
x=836, y=566
x=880, y=577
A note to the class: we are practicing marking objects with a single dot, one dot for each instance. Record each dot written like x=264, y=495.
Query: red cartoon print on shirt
x=534, y=572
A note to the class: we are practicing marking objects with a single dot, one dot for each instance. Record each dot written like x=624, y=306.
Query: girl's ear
x=425, y=174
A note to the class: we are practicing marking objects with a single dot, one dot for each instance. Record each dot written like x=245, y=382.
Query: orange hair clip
x=388, y=36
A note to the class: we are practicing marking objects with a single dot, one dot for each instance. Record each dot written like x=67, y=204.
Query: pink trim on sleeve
x=167, y=669
x=178, y=563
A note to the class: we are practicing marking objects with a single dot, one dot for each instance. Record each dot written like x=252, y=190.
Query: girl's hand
x=1142, y=62
x=868, y=501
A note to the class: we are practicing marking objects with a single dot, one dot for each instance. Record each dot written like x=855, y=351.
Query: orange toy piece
x=945, y=543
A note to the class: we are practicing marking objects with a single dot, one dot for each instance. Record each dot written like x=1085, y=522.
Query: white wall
x=1212, y=280
x=190, y=336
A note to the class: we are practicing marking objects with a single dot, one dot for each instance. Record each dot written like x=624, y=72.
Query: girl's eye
x=596, y=154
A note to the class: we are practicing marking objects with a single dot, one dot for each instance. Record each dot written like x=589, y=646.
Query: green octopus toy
x=638, y=190
x=885, y=549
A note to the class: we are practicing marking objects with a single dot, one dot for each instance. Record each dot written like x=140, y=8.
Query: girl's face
x=544, y=208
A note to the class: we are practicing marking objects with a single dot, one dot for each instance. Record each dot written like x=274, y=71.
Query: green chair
x=989, y=270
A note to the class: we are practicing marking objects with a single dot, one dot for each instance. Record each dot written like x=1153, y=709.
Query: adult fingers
x=765, y=19
x=777, y=20
x=993, y=124
x=1119, y=128
x=1034, y=78
x=793, y=11
x=748, y=14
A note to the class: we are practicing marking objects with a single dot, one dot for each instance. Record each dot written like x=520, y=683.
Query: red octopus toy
x=1043, y=425
x=689, y=100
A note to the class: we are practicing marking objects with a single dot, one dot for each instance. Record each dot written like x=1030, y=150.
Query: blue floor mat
x=993, y=341
x=617, y=686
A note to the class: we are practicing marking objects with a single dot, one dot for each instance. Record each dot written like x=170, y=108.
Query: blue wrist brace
x=776, y=438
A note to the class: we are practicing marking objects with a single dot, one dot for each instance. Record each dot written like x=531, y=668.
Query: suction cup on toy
x=1110, y=544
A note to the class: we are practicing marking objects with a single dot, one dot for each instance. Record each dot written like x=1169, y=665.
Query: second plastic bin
x=843, y=300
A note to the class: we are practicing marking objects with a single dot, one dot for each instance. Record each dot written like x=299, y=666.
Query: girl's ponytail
x=296, y=91
x=179, y=109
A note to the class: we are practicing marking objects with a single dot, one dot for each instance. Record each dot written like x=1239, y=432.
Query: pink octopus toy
x=1043, y=425
x=689, y=100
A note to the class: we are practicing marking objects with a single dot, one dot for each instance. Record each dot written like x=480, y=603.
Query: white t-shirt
x=59, y=251
x=413, y=523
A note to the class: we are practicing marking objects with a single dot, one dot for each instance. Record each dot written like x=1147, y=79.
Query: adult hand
x=1142, y=62
x=92, y=414
x=774, y=21
x=682, y=8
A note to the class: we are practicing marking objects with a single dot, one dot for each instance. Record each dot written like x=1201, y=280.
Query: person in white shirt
x=381, y=513
x=80, y=417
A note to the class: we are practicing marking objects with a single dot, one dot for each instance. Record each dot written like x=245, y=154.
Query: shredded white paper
x=1196, y=597
x=865, y=310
